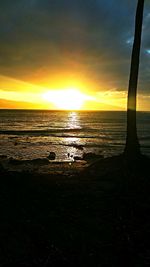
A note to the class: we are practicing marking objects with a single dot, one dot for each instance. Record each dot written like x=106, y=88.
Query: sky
x=54, y=52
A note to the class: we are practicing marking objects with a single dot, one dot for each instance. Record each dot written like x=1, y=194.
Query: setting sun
x=67, y=99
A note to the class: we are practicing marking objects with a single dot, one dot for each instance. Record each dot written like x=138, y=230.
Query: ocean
x=30, y=134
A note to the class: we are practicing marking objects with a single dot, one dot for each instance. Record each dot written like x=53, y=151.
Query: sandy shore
x=78, y=214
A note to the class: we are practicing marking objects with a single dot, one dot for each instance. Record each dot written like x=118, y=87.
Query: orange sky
x=70, y=54
x=63, y=94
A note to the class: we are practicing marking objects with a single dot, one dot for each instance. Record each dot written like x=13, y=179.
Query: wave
x=38, y=132
x=54, y=132
x=94, y=145
x=59, y=134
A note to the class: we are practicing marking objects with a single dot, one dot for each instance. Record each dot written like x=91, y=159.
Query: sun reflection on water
x=73, y=120
x=72, y=141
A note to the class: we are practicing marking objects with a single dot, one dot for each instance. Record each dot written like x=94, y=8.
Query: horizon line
x=71, y=110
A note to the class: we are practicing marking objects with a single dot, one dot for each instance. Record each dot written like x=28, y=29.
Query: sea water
x=29, y=134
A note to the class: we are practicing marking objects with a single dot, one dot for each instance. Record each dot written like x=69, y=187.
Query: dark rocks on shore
x=77, y=158
x=90, y=156
x=42, y=161
x=77, y=146
x=3, y=157
x=80, y=147
x=52, y=156
x=14, y=161
x=39, y=161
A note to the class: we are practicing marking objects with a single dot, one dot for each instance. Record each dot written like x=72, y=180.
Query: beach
x=97, y=215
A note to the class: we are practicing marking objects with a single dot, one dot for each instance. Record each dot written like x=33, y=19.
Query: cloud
x=88, y=37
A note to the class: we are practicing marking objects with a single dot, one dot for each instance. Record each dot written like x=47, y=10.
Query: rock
x=80, y=147
x=3, y=157
x=77, y=158
x=14, y=161
x=90, y=155
x=52, y=156
x=40, y=161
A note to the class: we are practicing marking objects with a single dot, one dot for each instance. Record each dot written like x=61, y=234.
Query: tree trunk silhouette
x=132, y=147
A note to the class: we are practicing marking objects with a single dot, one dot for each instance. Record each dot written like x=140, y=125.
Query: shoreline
x=93, y=163
x=45, y=165
x=42, y=166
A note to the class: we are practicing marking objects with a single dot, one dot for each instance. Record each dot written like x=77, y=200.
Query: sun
x=66, y=99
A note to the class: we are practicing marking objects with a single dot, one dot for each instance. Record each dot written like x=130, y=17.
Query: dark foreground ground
x=99, y=217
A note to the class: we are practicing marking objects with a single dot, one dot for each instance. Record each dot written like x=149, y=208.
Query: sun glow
x=67, y=99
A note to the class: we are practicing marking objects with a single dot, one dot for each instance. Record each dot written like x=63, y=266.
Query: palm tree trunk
x=132, y=147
